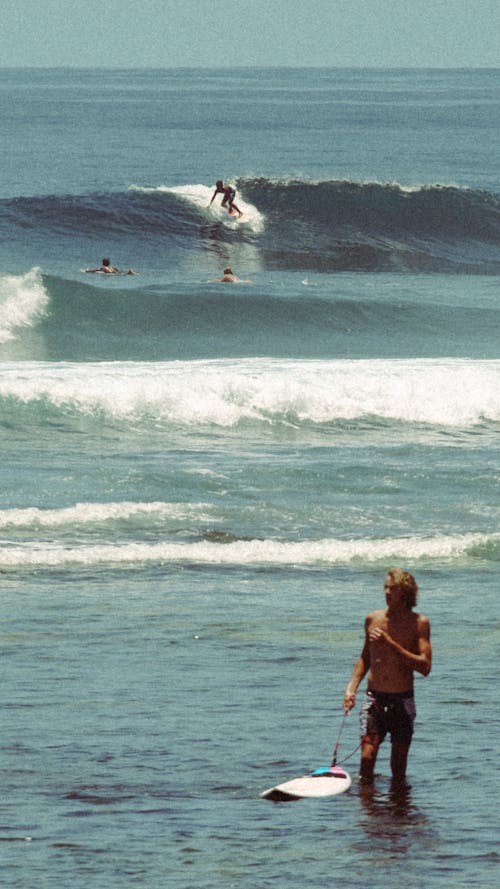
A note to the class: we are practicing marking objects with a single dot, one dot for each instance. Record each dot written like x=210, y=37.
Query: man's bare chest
x=403, y=629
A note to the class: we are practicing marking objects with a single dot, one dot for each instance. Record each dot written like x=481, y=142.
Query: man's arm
x=360, y=670
x=421, y=662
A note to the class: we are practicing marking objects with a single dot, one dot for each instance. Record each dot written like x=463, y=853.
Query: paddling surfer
x=230, y=278
x=107, y=269
x=397, y=643
x=229, y=195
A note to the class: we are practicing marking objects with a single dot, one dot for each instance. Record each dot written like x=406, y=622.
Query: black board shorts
x=388, y=713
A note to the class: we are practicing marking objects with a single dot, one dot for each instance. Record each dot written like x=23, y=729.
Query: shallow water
x=203, y=486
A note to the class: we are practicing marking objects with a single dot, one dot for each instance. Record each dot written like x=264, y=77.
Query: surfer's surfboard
x=327, y=781
x=241, y=219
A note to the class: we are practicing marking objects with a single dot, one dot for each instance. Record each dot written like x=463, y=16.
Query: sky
x=229, y=33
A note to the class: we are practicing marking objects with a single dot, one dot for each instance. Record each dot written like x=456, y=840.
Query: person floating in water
x=397, y=643
x=229, y=195
x=109, y=269
x=229, y=278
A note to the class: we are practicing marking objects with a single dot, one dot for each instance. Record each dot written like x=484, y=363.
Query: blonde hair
x=406, y=583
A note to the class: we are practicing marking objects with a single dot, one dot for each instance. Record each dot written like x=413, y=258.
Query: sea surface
x=203, y=484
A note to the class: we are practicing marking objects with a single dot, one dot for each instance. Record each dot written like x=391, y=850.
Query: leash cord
x=334, y=760
x=350, y=754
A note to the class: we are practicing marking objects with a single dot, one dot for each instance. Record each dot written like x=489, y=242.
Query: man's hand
x=349, y=700
x=378, y=635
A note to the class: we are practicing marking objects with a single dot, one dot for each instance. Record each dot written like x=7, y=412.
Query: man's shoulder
x=375, y=615
x=422, y=620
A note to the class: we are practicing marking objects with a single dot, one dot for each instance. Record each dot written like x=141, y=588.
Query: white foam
x=252, y=552
x=454, y=393
x=82, y=514
x=199, y=196
x=23, y=301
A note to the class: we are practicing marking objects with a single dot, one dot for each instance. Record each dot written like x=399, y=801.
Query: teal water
x=203, y=486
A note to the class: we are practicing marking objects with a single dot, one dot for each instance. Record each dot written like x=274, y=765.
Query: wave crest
x=442, y=393
x=23, y=301
x=294, y=224
x=461, y=548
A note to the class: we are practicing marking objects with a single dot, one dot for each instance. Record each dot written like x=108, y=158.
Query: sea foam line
x=99, y=513
x=252, y=553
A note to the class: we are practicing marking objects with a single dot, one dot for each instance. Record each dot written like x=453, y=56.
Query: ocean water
x=203, y=485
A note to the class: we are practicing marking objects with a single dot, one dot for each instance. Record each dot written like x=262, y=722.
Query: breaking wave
x=294, y=224
x=452, y=549
x=448, y=394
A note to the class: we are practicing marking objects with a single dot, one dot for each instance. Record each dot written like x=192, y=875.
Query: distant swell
x=48, y=318
x=376, y=226
x=326, y=226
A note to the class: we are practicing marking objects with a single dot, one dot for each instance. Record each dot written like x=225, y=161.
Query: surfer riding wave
x=228, y=200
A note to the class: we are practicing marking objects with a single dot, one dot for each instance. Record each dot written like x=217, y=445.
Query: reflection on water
x=380, y=803
x=391, y=823
x=213, y=231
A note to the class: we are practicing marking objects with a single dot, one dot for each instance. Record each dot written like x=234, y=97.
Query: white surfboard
x=241, y=220
x=327, y=781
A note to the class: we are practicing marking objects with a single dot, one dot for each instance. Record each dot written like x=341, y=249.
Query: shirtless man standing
x=397, y=642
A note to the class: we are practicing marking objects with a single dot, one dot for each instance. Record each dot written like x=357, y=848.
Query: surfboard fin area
x=199, y=196
x=324, y=781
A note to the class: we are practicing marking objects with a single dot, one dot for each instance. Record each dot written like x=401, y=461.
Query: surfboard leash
x=336, y=749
